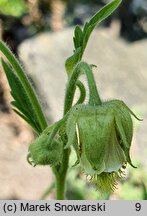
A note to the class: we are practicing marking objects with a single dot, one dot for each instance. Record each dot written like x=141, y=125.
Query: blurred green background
x=36, y=30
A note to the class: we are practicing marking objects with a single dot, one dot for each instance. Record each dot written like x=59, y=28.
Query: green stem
x=82, y=92
x=60, y=172
x=61, y=176
x=60, y=187
x=94, y=98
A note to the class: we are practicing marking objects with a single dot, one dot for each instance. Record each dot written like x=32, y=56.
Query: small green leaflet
x=81, y=37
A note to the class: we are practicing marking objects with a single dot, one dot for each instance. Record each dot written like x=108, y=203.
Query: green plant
x=100, y=132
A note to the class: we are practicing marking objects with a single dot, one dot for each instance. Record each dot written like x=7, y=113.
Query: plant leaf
x=81, y=37
x=73, y=60
x=27, y=87
x=78, y=34
x=26, y=119
x=21, y=100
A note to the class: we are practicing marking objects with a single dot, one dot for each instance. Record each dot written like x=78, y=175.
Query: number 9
x=138, y=206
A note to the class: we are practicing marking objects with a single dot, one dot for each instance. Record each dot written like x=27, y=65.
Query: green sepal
x=123, y=121
x=124, y=125
x=114, y=154
x=127, y=154
x=91, y=142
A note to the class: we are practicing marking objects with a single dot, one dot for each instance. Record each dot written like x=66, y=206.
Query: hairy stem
x=94, y=97
x=61, y=176
x=60, y=172
x=82, y=92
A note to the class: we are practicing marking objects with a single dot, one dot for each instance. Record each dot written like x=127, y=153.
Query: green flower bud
x=42, y=152
x=101, y=136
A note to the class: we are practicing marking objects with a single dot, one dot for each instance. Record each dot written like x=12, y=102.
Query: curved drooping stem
x=82, y=92
x=81, y=68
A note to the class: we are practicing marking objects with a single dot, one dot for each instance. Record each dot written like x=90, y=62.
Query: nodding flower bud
x=42, y=152
x=101, y=136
